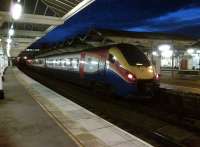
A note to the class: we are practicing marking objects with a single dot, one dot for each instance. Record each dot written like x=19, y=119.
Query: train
x=121, y=68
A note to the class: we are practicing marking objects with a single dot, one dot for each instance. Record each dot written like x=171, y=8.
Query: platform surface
x=184, y=86
x=83, y=126
x=23, y=123
x=184, y=83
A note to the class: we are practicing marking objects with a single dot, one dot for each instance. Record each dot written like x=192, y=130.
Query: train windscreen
x=134, y=56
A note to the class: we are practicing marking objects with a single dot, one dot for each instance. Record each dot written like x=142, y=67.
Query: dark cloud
x=173, y=21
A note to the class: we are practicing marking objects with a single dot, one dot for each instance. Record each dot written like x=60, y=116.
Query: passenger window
x=111, y=58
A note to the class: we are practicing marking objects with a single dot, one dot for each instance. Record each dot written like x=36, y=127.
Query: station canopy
x=146, y=41
x=39, y=17
x=48, y=24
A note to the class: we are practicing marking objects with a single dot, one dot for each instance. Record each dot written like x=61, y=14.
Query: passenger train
x=122, y=67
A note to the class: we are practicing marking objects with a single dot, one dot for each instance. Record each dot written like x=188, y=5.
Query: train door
x=82, y=64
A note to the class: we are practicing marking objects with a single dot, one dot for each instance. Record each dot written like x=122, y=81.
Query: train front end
x=138, y=76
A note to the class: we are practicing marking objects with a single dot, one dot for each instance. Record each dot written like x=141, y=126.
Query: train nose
x=143, y=72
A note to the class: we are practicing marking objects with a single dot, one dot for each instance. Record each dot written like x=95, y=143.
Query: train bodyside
x=107, y=65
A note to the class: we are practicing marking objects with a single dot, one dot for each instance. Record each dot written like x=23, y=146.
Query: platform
x=23, y=123
x=181, y=85
x=33, y=115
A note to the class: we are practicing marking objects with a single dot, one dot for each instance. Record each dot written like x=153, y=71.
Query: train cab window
x=111, y=58
x=133, y=55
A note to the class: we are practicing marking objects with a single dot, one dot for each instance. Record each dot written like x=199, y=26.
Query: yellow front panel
x=140, y=72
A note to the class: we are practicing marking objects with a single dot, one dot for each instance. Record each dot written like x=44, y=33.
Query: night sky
x=170, y=16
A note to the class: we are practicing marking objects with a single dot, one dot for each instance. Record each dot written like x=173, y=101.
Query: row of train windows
x=65, y=62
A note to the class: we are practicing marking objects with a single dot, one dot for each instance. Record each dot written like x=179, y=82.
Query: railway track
x=155, y=121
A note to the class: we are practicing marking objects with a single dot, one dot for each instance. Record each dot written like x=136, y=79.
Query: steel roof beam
x=70, y=2
x=59, y=4
x=23, y=33
x=34, y=19
x=22, y=40
x=74, y=11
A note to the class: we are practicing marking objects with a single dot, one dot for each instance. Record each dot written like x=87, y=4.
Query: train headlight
x=157, y=77
x=150, y=69
x=131, y=77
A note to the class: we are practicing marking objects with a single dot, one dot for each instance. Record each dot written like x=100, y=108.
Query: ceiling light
x=11, y=32
x=164, y=47
x=198, y=51
x=9, y=40
x=167, y=53
x=16, y=11
x=190, y=51
x=8, y=46
x=154, y=53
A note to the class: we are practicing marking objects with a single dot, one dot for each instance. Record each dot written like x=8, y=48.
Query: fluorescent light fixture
x=190, y=51
x=139, y=64
x=11, y=32
x=198, y=51
x=94, y=62
x=154, y=53
x=167, y=53
x=16, y=11
x=8, y=47
x=164, y=47
x=9, y=40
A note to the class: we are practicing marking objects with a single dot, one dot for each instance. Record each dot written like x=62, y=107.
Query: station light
x=16, y=10
x=167, y=53
x=139, y=64
x=164, y=47
x=154, y=53
x=11, y=32
x=9, y=40
x=198, y=51
x=8, y=47
x=190, y=51
x=94, y=62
